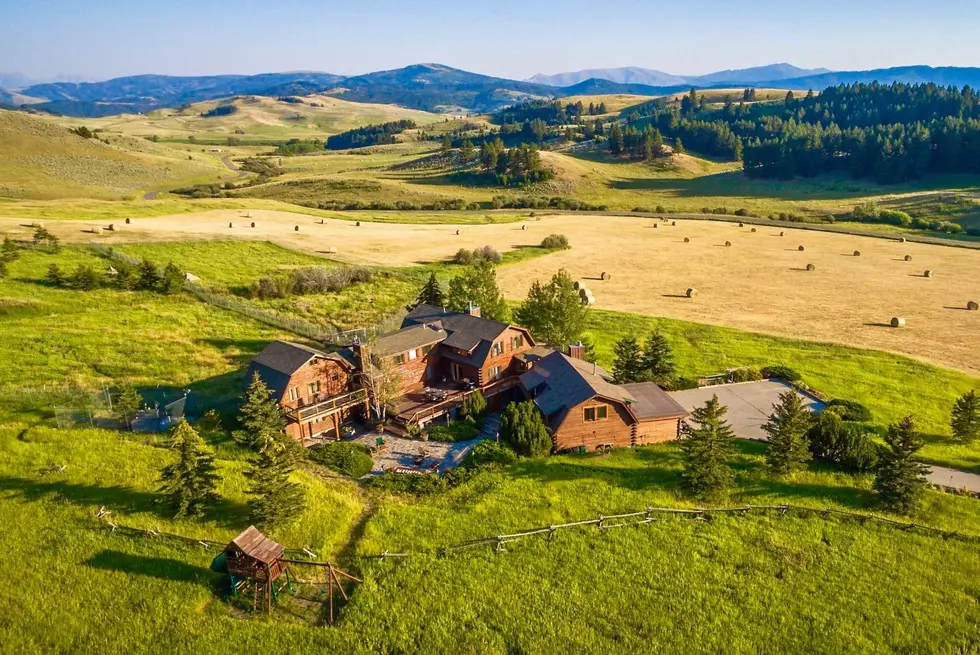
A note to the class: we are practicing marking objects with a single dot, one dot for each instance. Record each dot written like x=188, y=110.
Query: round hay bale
x=782, y=234
x=801, y=248
x=752, y=230
x=811, y=267
x=128, y=221
x=692, y=293
x=673, y=223
x=897, y=322
x=687, y=240
x=457, y=232
x=584, y=293
x=112, y=227
x=96, y=230
x=927, y=273
x=901, y=240
x=605, y=276
x=973, y=305
x=253, y=223
x=741, y=224
x=907, y=258
x=357, y=224
x=231, y=225
x=296, y=228
x=577, y=285
x=588, y=300
x=523, y=227
x=857, y=253
x=37, y=224
x=728, y=244
x=656, y=225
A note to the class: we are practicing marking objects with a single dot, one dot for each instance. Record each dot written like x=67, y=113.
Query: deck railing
x=328, y=406
x=435, y=409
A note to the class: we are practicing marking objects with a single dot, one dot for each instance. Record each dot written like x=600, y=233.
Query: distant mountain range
x=438, y=88
x=650, y=77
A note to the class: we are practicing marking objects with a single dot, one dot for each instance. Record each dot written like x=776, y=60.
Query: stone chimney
x=577, y=350
x=473, y=310
x=360, y=354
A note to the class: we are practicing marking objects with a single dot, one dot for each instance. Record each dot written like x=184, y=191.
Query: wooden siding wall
x=411, y=374
x=508, y=365
x=334, y=380
x=615, y=430
x=657, y=431
x=321, y=426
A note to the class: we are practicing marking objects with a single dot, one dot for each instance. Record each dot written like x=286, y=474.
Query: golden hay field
x=760, y=283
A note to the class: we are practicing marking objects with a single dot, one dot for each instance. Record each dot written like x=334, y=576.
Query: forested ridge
x=369, y=135
x=888, y=133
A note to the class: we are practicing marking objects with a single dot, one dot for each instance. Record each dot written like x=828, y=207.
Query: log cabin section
x=584, y=410
x=317, y=390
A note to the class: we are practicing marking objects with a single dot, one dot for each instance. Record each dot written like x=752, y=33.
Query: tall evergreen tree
x=658, y=359
x=588, y=345
x=901, y=479
x=467, y=150
x=148, y=276
x=553, y=312
x=616, y=139
x=260, y=416
x=8, y=251
x=172, y=279
x=678, y=146
x=965, y=419
x=447, y=144
x=274, y=498
x=478, y=285
x=628, y=361
x=429, y=294
x=789, y=447
x=189, y=485
x=707, y=446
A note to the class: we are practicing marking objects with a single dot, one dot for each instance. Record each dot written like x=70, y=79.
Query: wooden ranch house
x=583, y=410
x=318, y=391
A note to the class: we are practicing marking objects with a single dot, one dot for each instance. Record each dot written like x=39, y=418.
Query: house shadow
x=161, y=568
x=120, y=499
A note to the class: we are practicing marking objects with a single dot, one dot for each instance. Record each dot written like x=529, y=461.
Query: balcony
x=326, y=407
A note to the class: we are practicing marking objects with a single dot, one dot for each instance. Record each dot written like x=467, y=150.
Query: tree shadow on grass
x=661, y=468
x=161, y=568
x=117, y=498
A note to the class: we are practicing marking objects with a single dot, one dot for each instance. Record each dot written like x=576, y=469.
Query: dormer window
x=497, y=349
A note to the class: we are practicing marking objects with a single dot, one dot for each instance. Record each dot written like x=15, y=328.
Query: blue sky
x=108, y=38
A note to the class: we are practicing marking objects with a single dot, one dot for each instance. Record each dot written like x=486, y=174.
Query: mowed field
x=760, y=283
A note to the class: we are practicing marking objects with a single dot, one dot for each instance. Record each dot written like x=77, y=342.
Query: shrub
x=742, y=212
x=269, y=287
x=320, y=279
x=455, y=431
x=661, y=209
x=781, y=372
x=680, y=384
x=351, y=459
x=555, y=242
x=846, y=444
x=850, y=410
x=524, y=429
x=463, y=256
x=484, y=254
x=746, y=374
x=489, y=453
x=474, y=406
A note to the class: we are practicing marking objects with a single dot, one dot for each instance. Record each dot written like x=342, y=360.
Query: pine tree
x=901, y=480
x=189, y=485
x=128, y=404
x=447, y=144
x=274, y=498
x=678, y=146
x=148, y=276
x=553, y=312
x=467, y=151
x=523, y=428
x=172, y=279
x=54, y=275
x=616, y=139
x=628, y=361
x=588, y=345
x=260, y=416
x=965, y=419
x=4, y=271
x=658, y=359
x=707, y=445
x=430, y=294
x=8, y=251
x=789, y=447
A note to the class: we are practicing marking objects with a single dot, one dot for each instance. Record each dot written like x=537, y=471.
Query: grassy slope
x=758, y=584
x=41, y=160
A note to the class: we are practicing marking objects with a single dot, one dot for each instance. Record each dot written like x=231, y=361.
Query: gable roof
x=410, y=338
x=465, y=331
x=652, y=402
x=278, y=361
x=562, y=382
x=257, y=546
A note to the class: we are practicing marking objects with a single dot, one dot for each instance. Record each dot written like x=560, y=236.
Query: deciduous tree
x=553, y=312
x=478, y=285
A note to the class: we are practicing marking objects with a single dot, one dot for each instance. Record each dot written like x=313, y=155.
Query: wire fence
x=657, y=514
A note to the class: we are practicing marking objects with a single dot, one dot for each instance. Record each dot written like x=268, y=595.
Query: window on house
x=598, y=413
x=294, y=393
x=517, y=342
x=497, y=349
x=400, y=359
x=313, y=388
x=494, y=372
x=412, y=354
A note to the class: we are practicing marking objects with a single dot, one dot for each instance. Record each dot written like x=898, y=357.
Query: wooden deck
x=416, y=407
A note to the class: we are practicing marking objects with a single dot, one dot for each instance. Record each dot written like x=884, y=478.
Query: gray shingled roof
x=465, y=331
x=564, y=382
x=286, y=357
x=409, y=338
x=652, y=402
